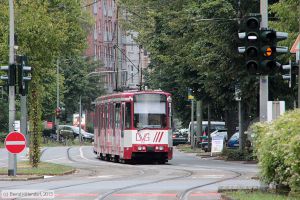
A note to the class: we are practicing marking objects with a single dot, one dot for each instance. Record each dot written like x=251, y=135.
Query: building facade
x=122, y=58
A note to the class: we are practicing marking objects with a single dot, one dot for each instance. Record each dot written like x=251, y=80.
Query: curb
x=22, y=178
x=33, y=177
x=66, y=173
x=241, y=188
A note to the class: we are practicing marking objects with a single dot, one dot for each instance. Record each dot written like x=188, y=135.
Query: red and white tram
x=134, y=125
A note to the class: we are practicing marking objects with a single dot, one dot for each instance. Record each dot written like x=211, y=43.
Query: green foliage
x=90, y=127
x=278, y=150
x=78, y=82
x=193, y=44
x=47, y=31
x=237, y=154
x=3, y=115
x=43, y=169
x=257, y=195
x=2, y=137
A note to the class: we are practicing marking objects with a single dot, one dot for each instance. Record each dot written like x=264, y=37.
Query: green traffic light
x=252, y=67
x=252, y=23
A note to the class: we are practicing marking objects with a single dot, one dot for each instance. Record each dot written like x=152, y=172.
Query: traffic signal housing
x=268, y=52
x=290, y=72
x=11, y=74
x=23, y=72
x=251, y=26
x=260, y=48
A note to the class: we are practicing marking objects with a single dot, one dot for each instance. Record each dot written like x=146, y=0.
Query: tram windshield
x=150, y=111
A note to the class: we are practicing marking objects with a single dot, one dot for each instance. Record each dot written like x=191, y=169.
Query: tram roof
x=130, y=93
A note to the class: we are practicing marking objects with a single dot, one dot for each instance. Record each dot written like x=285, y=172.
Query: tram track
x=184, y=195
x=180, y=196
x=141, y=173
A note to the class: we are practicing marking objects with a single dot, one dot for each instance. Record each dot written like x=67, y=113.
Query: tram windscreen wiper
x=149, y=126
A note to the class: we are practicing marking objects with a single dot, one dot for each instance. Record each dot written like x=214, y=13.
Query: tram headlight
x=161, y=148
x=156, y=147
x=139, y=148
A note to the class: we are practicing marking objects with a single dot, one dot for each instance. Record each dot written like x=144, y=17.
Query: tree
x=47, y=30
x=78, y=83
x=193, y=44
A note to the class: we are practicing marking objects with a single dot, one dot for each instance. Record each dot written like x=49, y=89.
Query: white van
x=214, y=125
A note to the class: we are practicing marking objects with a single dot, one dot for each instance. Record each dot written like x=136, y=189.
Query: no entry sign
x=15, y=142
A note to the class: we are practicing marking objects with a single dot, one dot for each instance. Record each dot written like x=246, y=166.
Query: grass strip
x=44, y=168
x=187, y=149
x=258, y=195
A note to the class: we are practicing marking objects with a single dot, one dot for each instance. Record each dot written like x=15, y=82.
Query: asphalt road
x=184, y=177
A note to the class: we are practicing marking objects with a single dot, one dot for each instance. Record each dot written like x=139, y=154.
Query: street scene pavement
x=186, y=176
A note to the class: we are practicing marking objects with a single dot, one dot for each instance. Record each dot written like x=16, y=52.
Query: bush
x=237, y=154
x=277, y=146
x=2, y=137
x=90, y=127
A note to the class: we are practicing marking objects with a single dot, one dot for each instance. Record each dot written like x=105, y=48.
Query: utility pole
x=57, y=99
x=199, y=120
x=192, y=125
x=140, y=68
x=263, y=80
x=80, y=120
x=12, y=158
x=208, y=126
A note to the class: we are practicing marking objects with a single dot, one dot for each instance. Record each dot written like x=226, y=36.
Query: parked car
x=233, y=142
x=220, y=132
x=179, y=138
x=214, y=126
x=75, y=131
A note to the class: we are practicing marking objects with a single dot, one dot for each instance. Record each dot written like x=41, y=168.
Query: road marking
x=48, y=176
x=144, y=195
x=55, y=159
x=164, y=194
x=78, y=195
x=205, y=194
x=209, y=176
x=105, y=176
x=81, y=154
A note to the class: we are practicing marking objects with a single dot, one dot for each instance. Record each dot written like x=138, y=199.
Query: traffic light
x=290, y=72
x=11, y=74
x=251, y=26
x=260, y=48
x=23, y=77
x=270, y=50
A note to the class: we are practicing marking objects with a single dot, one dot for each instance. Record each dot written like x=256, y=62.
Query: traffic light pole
x=263, y=81
x=80, y=139
x=57, y=100
x=12, y=158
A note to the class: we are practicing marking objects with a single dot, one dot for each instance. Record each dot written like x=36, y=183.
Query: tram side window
x=128, y=116
x=106, y=117
x=117, y=115
x=113, y=118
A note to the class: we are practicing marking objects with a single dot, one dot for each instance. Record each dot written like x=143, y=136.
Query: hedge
x=277, y=147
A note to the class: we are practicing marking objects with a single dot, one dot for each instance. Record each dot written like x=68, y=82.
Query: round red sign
x=15, y=142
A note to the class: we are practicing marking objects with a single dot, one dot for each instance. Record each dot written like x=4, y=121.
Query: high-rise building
x=123, y=59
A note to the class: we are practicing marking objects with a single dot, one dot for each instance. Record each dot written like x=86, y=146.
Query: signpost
x=15, y=142
x=217, y=144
